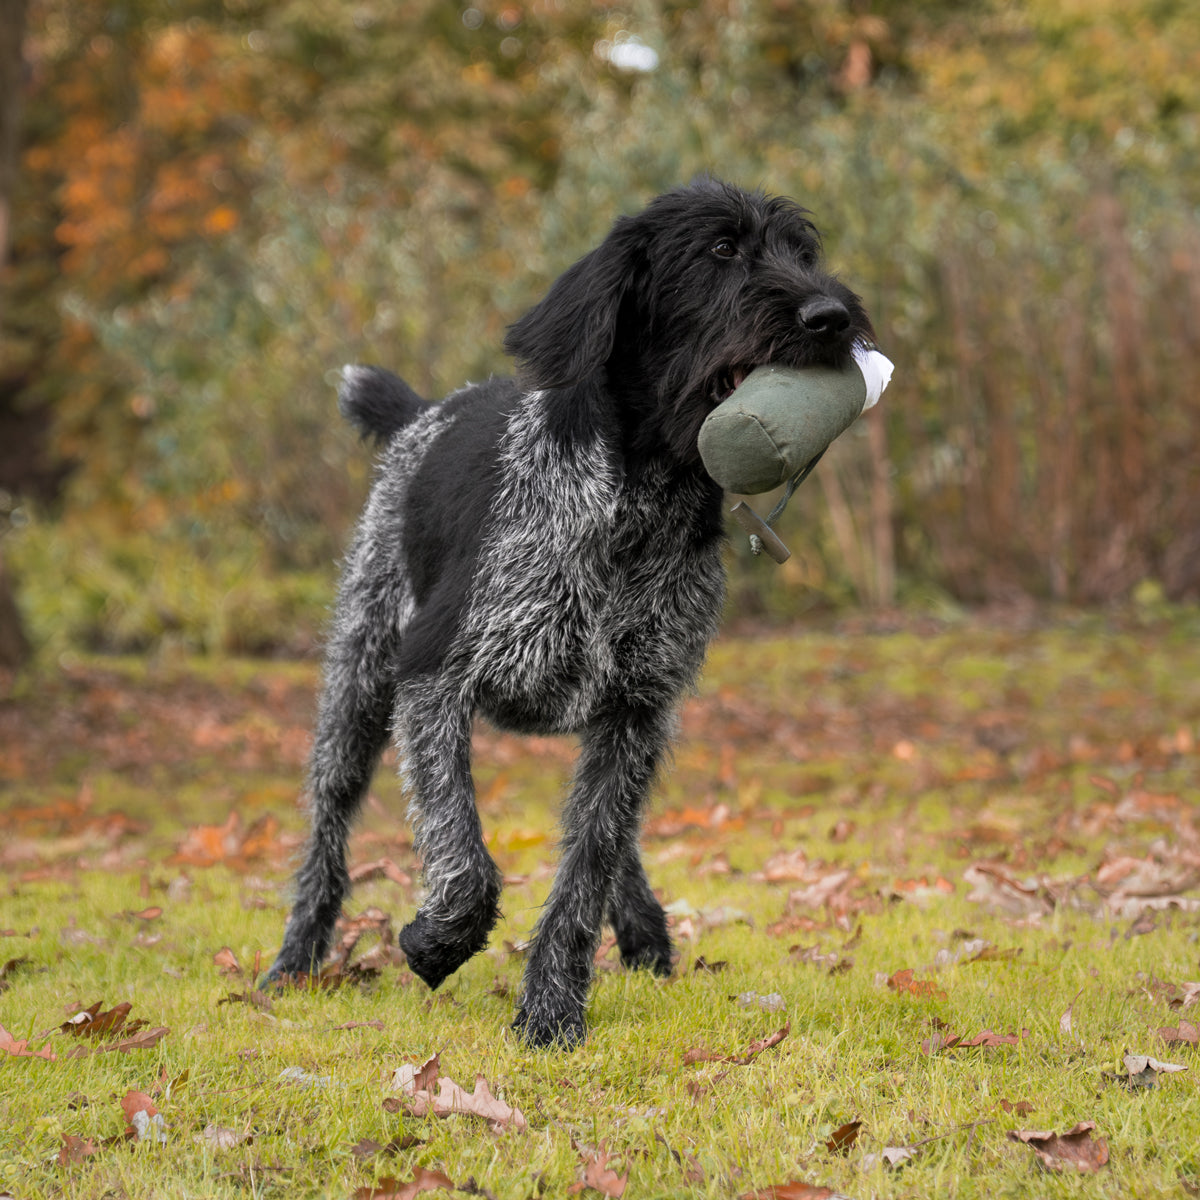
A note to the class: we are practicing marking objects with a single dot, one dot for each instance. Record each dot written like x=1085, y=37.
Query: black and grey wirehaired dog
x=546, y=552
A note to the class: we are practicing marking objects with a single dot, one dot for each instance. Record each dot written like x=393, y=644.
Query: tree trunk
x=14, y=646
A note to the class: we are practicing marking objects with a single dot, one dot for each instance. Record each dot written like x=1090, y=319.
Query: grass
x=901, y=758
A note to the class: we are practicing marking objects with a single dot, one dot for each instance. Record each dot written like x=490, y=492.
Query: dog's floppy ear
x=570, y=333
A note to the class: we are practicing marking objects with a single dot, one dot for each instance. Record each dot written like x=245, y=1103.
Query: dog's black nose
x=824, y=316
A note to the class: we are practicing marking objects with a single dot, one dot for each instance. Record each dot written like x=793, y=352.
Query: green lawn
x=1009, y=814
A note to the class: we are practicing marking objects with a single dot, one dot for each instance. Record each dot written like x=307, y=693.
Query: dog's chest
x=590, y=590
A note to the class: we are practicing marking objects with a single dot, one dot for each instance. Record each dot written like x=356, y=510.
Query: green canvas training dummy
x=778, y=422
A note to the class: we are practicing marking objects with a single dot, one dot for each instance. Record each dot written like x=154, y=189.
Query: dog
x=546, y=552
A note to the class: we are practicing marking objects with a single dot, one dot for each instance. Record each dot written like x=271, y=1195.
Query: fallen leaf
x=1065, y=1021
x=218, y=1137
x=91, y=1022
x=148, y=1128
x=226, y=962
x=843, y=1137
x=1143, y=1071
x=889, y=1156
x=382, y=868
x=20, y=1049
x=988, y=1038
x=75, y=1149
x=135, y=1102
x=1191, y=994
x=996, y=887
x=1185, y=1031
x=1075, y=1148
x=145, y=1039
x=752, y=1051
x=1022, y=1107
x=904, y=983
x=599, y=1176
x=368, y=1147
x=796, y=1190
x=393, y=1189
x=412, y=1079
x=417, y=1083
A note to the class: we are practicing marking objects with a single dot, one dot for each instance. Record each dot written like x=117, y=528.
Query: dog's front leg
x=462, y=882
x=620, y=754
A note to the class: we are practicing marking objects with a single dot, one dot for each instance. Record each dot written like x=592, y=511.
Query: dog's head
x=679, y=303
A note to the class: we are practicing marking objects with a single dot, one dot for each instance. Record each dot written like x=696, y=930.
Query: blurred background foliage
x=217, y=204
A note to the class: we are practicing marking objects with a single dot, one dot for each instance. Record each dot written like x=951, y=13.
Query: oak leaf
x=390, y=1188
x=20, y=1049
x=599, y=1176
x=417, y=1083
x=1075, y=1149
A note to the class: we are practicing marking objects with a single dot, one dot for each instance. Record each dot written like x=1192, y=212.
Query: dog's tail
x=376, y=402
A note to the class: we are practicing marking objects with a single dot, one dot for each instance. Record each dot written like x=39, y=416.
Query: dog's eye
x=725, y=249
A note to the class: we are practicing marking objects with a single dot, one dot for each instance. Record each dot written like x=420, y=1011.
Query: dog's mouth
x=727, y=382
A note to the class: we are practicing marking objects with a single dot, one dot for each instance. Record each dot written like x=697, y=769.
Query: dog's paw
x=544, y=1032
x=429, y=956
x=649, y=956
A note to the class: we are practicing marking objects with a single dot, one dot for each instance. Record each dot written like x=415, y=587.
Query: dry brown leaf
x=843, y=1137
x=821, y=893
x=741, y=1060
x=904, y=983
x=1143, y=1071
x=988, y=1038
x=1065, y=1022
x=75, y=1149
x=219, y=1137
x=996, y=887
x=1075, y=1149
x=390, y=1188
x=368, y=1147
x=1021, y=1107
x=1185, y=1031
x=795, y=1190
x=91, y=1022
x=382, y=868
x=144, y=1039
x=1191, y=994
x=417, y=1083
x=599, y=1176
x=226, y=962
x=135, y=1102
x=20, y=1049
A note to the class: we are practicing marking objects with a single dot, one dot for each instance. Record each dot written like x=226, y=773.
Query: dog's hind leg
x=462, y=882
x=638, y=919
x=620, y=755
x=353, y=723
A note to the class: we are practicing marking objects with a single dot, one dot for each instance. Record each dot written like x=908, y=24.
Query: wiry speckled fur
x=548, y=554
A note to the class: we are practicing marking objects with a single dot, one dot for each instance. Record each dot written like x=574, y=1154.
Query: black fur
x=547, y=553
